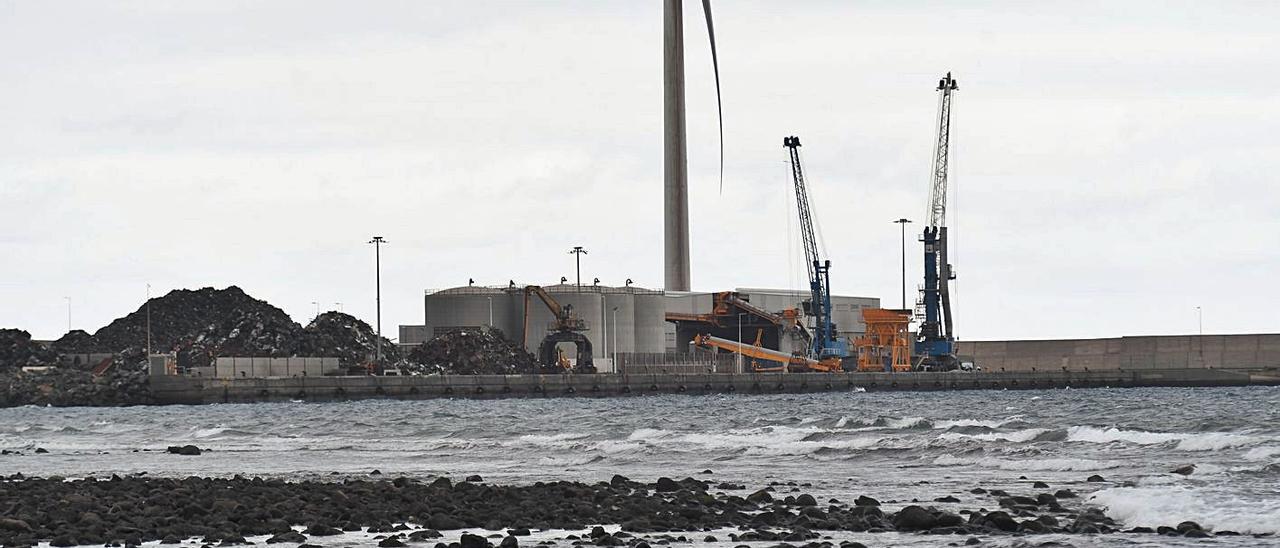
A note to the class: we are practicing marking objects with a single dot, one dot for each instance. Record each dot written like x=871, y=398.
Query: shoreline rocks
x=135, y=509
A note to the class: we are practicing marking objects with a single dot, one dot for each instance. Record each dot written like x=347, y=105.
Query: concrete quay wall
x=195, y=390
x=1236, y=352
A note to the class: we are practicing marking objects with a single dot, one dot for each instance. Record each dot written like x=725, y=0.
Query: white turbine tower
x=675, y=166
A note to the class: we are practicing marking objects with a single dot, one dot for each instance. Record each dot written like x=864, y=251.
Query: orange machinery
x=776, y=361
x=887, y=344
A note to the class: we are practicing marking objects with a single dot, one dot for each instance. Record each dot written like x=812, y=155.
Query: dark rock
x=391, y=542
x=473, y=541
x=322, y=530
x=1095, y=479
x=1040, y=485
x=947, y=498
x=806, y=500
x=41, y=451
x=1188, y=526
x=760, y=497
x=10, y=524
x=914, y=518
x=474, y=479
x=864, y=500
x=442, y=483
x=1000, y=520
x=509, y=542
x=189, y=450
x=1185, y=469
x=521, y=532
x=1064, y=494
x=445, y=522
x=667, y=485
x=1196, y=533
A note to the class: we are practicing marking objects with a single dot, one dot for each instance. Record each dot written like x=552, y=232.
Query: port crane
x=935, y=347
x=825, y=342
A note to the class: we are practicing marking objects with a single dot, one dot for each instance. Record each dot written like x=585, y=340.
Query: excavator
x=567, y=327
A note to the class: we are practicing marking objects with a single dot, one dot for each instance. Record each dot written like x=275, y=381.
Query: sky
x=1114, y=163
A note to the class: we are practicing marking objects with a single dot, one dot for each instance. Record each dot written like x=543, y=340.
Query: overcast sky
x=1114, y=162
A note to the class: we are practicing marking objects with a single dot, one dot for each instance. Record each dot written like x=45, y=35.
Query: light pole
x=1200, y=319
x=578, y=252
x=377, y=242
x=338, y=306
x=903, y=223
x=740, y=315
x=148, y=323
x=317, y=303
x=614, y=347
x=68, y=313
x=490, y=312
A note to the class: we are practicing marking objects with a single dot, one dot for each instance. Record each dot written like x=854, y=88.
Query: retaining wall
x=1238, y=352
x=190, y=390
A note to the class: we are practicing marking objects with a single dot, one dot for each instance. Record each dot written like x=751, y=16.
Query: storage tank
x=621, y=321
x=467, y=308
x=650, y=321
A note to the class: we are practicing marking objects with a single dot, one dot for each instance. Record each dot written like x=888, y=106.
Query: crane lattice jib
x=941, y=153
x=802, y=204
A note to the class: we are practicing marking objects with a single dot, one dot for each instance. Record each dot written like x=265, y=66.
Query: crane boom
x=941, y=154
x=825, y=342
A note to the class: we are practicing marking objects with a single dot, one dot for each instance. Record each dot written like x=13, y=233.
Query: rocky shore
x=120, y=511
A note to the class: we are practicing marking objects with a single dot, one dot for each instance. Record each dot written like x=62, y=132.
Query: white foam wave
x=1262, y=453
x=1037, y=464
x=1156, y=506
x=771, y=440
x=1017, y=436
x=1207, y=441
x=987, y=423
x=552, y=439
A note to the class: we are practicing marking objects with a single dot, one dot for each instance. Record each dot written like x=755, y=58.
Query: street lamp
x=490, y=312
x=578, y=252
x=614, y=347
x=377, y=242
x=1200, y=319
x=317, y=303
x=904, y=222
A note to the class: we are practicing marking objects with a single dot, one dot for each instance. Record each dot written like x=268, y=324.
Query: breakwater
x=200, y=390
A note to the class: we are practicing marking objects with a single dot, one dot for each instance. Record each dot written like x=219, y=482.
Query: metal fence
x=699, y=361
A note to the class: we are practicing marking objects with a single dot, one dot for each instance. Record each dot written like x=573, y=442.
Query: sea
x=897, y=447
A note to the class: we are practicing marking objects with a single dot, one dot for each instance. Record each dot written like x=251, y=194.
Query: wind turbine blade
x=715, y=64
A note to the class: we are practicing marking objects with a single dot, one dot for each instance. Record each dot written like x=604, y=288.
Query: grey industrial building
x=619, y=320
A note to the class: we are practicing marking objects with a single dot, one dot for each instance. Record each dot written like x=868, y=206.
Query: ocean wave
x=1017, y=436
x=552, y=439
x=769, y=440
x=1262, y=453
x=1156, y=506
x=1033, y=465
x=1210, y=441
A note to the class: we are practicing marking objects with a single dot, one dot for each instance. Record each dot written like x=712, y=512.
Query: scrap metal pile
x=472, y=352
x=17, y=350
x=346, y=337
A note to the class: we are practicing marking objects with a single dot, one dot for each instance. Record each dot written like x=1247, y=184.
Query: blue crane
x=826, y=342
x=935, y=345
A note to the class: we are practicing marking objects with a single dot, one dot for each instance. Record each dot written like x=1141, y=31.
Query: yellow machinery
x=567, y=327
x=774, y=361
x=887, y=344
